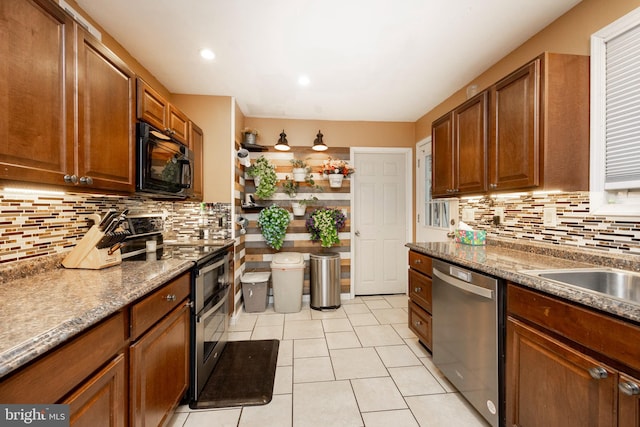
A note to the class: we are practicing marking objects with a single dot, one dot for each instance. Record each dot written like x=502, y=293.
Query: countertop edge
x=614, y=306
x=17, y=356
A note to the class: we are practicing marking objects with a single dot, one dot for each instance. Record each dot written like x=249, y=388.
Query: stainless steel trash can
x=324, y=278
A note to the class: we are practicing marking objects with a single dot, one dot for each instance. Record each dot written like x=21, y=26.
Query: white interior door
x=434, y=217
x=381, y=225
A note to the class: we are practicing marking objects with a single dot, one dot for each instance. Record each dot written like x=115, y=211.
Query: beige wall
x=213, y=115
x=568, y=34
x=301, y=133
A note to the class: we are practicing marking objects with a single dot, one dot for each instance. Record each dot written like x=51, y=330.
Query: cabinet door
x=550, y=384
x=442, y=143
x=36, y=92
x=196, y=141
x=420, y=324
x=106, y=132
x=101, y=401
x=420, y=287
x=514, y=147
x=151, y=106
x=629, y=402
x=159, y=369
x=470, y=145
x=178, y=124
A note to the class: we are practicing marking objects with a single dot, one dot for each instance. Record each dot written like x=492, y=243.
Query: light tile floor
x=359, y=365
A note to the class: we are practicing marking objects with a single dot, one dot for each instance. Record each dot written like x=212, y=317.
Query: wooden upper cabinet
x=540, y=126
x=106, y=119
x=442, y=156
x=515, y=132
x=154, y=109
x=196, y=144
x=470, y=136
x=48, y=140
x=36, y=92
x=459, y=141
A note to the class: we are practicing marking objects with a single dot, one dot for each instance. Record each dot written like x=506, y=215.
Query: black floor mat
x=243, y=376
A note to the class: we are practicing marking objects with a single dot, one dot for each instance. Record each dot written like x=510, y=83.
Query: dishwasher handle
x=477, y=290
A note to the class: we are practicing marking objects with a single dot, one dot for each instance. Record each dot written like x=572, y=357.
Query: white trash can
x=255, y=291
x=287, y=278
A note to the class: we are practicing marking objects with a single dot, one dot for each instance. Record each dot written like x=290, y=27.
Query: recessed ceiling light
x=304, y=80
x=207, y=54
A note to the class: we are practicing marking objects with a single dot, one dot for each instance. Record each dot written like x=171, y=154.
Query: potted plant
x=273, y=222
x=336, y=170
x=300, y=170
x=324, y=224
x=265, y=178
x=249, y=136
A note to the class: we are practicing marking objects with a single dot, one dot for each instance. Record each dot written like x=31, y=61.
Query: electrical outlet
x=499, y=212
x=549, y=217
x=468, y=214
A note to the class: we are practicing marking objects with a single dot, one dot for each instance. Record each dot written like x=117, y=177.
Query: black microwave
x=164, y=165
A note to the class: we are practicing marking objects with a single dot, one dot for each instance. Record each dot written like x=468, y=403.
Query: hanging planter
x=299, y=174
x=335, y=180
x=273, y=221
x=336, y=171
x=264, y=176
x=324, y=224
x=298, y=208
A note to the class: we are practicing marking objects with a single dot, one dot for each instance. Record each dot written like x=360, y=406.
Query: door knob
x=358, y=233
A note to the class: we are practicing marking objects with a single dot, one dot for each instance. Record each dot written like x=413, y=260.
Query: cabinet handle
x=493, y=185
x=170, y=297
x=598, y=373
x=86, y=180
x=418, y=323
x=418, y=261
x=71, y=179
x=417, y=289
x=629, y=388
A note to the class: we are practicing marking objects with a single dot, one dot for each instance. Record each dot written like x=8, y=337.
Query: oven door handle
x=477, y=290
x=213, y=266
x=215, y=308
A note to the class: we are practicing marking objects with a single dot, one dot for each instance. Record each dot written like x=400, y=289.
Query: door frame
x=408, y=154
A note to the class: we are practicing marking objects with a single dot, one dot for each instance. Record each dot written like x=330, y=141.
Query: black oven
x=164, y=165
x=211, y=281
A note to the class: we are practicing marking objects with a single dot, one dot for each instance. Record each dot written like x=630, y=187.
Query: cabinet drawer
x=420, y=262
x=420, y=289
x=420, y=324
x=155, y=306
x=599, y=332
x=50, y=378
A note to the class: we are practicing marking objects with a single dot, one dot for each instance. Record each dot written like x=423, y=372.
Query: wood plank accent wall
x=255, y=254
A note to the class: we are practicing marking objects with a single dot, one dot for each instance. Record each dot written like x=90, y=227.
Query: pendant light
x=282, y=144
x=318, y=144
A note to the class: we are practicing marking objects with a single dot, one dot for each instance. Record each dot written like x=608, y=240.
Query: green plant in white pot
x=300, y=170
x=264, y=174
x=273, y=222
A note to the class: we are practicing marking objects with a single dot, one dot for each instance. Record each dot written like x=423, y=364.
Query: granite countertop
x=42, y=310
x=508, y=263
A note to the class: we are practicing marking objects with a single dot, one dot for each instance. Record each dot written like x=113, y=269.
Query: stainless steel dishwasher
x=468, y=336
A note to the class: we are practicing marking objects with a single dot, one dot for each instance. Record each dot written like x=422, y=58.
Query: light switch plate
x=549, y=217
x=468, y=214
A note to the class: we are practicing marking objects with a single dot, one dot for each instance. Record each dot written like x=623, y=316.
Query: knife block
x=86, y=255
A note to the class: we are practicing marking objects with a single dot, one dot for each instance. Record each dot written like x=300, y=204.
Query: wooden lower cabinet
x=568, y=365
x=102, y=400
x=549, y=384
x=420, y=297
x=159, y=369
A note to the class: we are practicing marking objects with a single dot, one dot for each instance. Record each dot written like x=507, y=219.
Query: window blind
x=622, y=170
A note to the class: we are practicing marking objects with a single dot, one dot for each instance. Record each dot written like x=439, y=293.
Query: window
x=615, y=118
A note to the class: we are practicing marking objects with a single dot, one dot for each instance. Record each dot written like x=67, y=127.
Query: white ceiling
x=381, y=60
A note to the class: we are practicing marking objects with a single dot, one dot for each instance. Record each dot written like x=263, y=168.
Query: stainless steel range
x=211, y=278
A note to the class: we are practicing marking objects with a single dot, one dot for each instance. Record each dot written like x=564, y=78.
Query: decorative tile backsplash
x=575, y=227
x=37, y=225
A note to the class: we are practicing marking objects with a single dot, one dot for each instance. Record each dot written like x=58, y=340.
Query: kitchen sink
x=619, y=284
